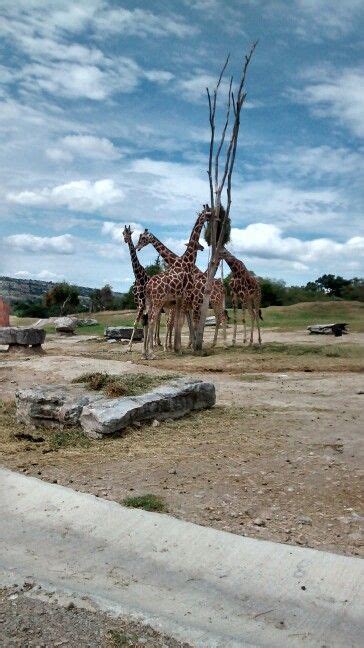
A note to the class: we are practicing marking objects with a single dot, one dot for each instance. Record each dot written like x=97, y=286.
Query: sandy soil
x=31, y=618
x=278, y=458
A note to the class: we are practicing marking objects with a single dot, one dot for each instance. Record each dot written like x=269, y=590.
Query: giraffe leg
x=137, y=320
x=243, y=310
x=177, y=329
x=191, y=330
x=218, y=319
x=252, y=319
x=169, y=328
x=235, y=315
x=257, y=317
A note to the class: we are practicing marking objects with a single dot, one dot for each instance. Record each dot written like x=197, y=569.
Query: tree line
x=64, y=298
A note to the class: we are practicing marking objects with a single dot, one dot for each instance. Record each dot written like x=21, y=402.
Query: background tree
x=62, y=299
x=333, y=285
x=218, y=180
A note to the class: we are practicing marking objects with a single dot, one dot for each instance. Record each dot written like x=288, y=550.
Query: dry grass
x=124, y=385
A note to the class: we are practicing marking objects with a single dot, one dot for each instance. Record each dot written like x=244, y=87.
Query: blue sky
x=103, y=121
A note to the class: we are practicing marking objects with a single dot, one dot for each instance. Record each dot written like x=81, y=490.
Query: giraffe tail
x=260, y=314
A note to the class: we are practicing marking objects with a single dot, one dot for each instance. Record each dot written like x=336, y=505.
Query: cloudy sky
x=103, y=121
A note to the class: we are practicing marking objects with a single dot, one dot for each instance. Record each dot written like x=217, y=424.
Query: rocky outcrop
x=123, y=333
x=169, y=401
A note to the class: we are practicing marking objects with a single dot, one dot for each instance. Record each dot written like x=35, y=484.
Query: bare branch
x=211, y=151
x=222, y=137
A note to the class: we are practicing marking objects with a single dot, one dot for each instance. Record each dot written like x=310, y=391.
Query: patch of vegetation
x=148, y=502
x=124, y=385
x=118, y=639
x=303, y=349
x=67, y=438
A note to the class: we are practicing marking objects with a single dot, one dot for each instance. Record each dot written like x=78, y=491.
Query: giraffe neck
x=235, y=265
x=137, y=266
x=190, y=254
x=167, y=255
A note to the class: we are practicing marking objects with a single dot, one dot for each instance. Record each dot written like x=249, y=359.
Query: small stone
x=173, y=471
x=259, y=522
x=155, y=423
x=304, y=519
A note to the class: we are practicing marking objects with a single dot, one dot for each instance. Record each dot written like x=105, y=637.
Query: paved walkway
x=198, y=584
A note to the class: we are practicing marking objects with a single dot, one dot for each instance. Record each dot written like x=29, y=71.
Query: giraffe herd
x=179, y=291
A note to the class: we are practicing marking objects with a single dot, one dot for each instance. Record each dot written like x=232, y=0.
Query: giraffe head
x=224, y=253
x=127, y=234
x=144, y=239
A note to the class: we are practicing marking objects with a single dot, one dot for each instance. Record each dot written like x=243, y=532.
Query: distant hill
x=12, y=290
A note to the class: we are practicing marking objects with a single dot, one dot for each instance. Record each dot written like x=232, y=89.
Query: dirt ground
x=278, y=458
x=30, y=618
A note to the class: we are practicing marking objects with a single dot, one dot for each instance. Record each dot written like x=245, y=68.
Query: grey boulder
x=52, y=405
x=172, y=400
x=21, y=336
x=65, y=324
x=123, y=333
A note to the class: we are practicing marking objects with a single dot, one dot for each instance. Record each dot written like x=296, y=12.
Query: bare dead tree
x=217, y=183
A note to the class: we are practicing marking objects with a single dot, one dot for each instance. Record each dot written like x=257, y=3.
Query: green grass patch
x=68, y=438
x=299, y=316
x=124, y=385
x=148, y=502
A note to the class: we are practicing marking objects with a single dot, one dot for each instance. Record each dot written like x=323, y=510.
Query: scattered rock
x=259, y=522
x=65, y=325
x=155, y=423
x=22, y=336
x=87, y=322
x=123, y=333
x=304, y=519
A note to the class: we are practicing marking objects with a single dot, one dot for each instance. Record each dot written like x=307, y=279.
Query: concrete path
x=198, y=584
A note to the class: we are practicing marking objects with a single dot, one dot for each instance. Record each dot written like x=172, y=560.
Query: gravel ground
x=31, y=622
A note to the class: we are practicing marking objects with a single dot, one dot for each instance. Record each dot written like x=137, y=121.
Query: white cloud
x=49, y=244
x=335, y=93
x=266, y=241
x=318, y=18
x=80, y=195
x=317, y=161
x=143, y=23
x=88, y=146
x=44, y=275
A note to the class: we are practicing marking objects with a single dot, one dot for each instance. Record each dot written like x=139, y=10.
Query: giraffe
x=217, y=294
x=141, y=280
x=174, y=287
x=244, y=289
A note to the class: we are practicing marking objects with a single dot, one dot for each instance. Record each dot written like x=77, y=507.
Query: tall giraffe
x=141, y=280
x=175, y=286
x=217, y=299
x=245, y=289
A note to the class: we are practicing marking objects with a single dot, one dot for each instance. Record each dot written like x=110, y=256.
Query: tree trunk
x=211, y=271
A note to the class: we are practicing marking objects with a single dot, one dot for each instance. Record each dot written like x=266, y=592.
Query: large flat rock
x=22, y=336
x=210, y=588
x=172, y=400
x=52, y=405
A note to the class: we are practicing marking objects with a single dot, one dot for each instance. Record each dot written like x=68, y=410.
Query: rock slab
x=123, y=333
x=21, y=336
x=52, y=405
x=173, y=400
